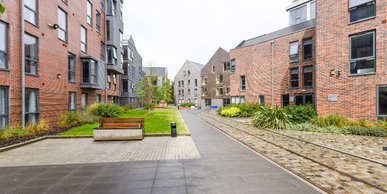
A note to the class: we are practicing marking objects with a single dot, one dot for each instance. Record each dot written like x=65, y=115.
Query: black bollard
x=173, y=130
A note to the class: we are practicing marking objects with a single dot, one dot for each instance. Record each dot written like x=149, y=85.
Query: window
x=362, y=59
x=189, y=83
x=102, y=4
x=134, y=72
x=298, y=15
x=84, y=101
x=98, y=98
x=313, y=10
x=103, y=51
x=71, y=64
x=109, y=7
x=361, y=9
x=232, y=65
x=108, y=30
x=98, y=22
x=207, y=102
x=196, y=82
x=226, y=101
x=62, y=22
x=112, y=55
x=125, y=86
x=285, y=100
x=3, y=107
x=294, y=78
x=83, y=39
x=31, y=54
x=30, y=11
x=89, y=71
x=242, y=83
x=121, y=11
x=72, y=101
x=3, y=45
x=89, y=13
x=308, y=76
x=196, y=92
x=308, y=49
x=237, y=100
x=227, y=66
x=261, y=99
x=189, y=73
x=204, y=91
x=382, y=101
x=219, y=79
x=189, y=92
x=64, y=1
x=213, y=69
x=227, y=91
x=32, y=106
x=121, y=39
x=304, y=99
x=219, y=91
x=293, y=52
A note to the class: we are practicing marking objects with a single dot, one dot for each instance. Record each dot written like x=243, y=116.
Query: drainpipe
x=272, y=73
x=106, y=74
x=23, y=78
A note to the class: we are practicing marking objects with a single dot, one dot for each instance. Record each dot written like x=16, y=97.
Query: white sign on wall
x=332, y=98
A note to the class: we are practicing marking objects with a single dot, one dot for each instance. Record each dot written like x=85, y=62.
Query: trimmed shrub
x=359, y=130
x=301, y=114
x=332, y=120
x=230, y=112
x=274, y=118
x=105, y=110
x=41, y=126
x=69, y=119
x=247, y=109
x=187, y=104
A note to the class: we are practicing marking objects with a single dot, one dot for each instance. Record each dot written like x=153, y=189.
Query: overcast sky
x=169, y=32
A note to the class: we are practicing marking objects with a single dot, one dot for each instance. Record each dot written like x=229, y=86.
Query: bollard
x=173, y=130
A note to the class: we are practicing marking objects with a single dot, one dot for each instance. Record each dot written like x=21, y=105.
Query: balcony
x=89, y=73
x=111, y=68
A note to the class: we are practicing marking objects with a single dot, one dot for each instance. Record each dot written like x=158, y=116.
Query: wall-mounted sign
x=332, y=98
x=291, y=98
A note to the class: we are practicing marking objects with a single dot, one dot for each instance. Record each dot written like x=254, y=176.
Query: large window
x=227, y=66
x=304, y=99
x=307, y=76
x=112, y=55
x=3, y=107
x=30, y=11
x=242, y=83
x=232, y=65
x=308, y=49
x=361, y=9
x=98, y=98
x=89, y=71
x=285, y=100
x=125, y=86
x=62, y=22
x=84, y=101
x=3, y=45
x=102, y=51
x=72, y=101
x=294, y=83
x=237, y=100
x=32, y=106
x=89, y=13
x=362, y=53
x=110, y=7
x=108, y=30
x=261, y=99
x=31, y=54
x=298, y=15
x=83, y=39
x=71, y=64
x=382, y=101
x=98, y=22
x=293, y=55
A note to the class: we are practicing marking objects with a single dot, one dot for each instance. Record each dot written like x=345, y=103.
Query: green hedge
x=187, y=104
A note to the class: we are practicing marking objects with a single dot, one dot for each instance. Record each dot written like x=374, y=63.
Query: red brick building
x=64, y=59
x=332, y=55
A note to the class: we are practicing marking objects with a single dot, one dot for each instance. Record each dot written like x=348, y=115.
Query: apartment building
x=187, y=84
x=133, y=73
x=278, y=68
x=53, y=59
x=216, y=80
x=161, y=73
x=352, y=58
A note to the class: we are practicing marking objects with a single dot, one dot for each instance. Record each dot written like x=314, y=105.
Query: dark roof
x=157, y=71
x=277, y=34
x=198, y=65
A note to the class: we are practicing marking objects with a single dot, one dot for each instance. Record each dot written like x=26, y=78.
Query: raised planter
x=113, y=129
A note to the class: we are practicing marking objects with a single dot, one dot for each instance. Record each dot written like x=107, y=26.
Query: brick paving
x=225, y=166
x=333, y=171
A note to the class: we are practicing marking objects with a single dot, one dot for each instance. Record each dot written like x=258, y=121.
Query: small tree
x=147, y=90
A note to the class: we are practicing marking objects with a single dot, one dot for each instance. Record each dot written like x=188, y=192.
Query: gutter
x=272, y=73
x=23, y=78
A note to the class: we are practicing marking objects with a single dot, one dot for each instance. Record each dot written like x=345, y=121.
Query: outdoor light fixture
x=59, y=76
x=55, y=26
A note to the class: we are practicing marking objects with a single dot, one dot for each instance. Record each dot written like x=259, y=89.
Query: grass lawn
x=157, y=122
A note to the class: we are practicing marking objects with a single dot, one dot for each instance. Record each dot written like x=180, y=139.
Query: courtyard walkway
x=221, y=165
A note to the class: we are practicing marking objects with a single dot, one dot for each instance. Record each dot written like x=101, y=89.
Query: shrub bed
x=187, y=104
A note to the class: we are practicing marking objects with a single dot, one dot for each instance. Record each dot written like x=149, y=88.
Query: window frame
x=5, y=116
x=90, y=74
x=60, y=29
x=84, y=43
x=5, y=52
x=89, y=18
x=84, y=106
x=303, y=76
x=303, y=48
x=294, y=58
x=303, y=96
x=369, y=58
x=70, y=93
x=378, y=101
x=242, y=83
x=350, y=9
x=233, y=65
x=98, y=22
x=293, y=80
x=37, y=104
x=70, y=71
x=34, y=11
x=282, y=100
x=36, y=62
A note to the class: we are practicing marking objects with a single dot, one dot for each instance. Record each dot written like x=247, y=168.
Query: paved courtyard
x=221, y=165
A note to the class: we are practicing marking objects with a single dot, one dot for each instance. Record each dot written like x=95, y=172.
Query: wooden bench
x=119, y=129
